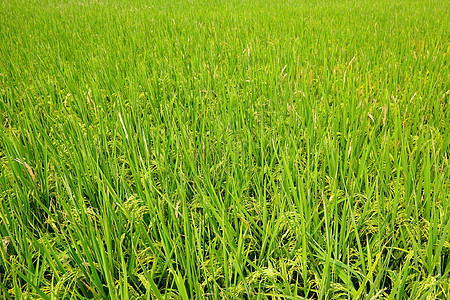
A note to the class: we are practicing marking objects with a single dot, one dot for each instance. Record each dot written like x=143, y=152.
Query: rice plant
x=252, y=149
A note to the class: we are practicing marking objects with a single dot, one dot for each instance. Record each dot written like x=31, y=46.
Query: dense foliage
x=224, y=149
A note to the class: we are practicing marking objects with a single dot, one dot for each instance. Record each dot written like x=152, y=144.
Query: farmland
x=224, y=149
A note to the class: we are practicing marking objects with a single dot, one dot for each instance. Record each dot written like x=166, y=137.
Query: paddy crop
x=224, y=149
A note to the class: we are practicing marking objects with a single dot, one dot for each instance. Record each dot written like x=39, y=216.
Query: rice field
x=254, y=149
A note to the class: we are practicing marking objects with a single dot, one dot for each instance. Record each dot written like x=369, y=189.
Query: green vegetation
x=224, y=149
